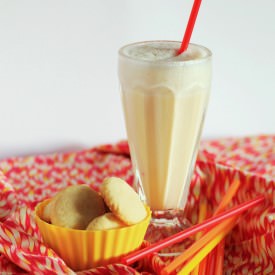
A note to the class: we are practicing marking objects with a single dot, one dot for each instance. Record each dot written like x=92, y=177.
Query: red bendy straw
x=209, y=223
x=190, y=26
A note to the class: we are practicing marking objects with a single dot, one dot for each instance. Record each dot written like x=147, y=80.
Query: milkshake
x=164, y=97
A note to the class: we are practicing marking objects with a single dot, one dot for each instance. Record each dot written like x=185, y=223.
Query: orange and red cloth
x=25, y=181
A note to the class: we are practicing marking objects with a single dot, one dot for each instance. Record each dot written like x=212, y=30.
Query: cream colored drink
x=164, y=99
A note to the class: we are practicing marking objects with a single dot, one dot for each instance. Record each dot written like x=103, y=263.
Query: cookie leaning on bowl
x=123, y=201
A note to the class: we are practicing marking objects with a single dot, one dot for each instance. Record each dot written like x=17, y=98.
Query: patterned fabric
x=25, y=181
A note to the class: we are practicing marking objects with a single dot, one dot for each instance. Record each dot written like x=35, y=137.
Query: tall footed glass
x=165, y=98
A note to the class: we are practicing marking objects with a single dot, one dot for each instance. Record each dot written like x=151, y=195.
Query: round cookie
x=76, y=206
x=123, y=201
x=47, y=211
x=105, y=222
x=46, y=215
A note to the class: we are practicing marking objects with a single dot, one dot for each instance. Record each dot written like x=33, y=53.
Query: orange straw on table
x=180, y=236
x=202, y=217
x=218, y=269
x=212, y=265
x=204, y=251
x=211, y=260
x=198, y=245
x=202, y=266
x=227, y=198
x=207, y=237
x=220, y=258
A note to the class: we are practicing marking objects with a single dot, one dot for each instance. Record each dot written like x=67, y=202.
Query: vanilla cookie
x=47, y=211
x=123, y=201
x=76, y=206
x=105, y=222
x=46, y=215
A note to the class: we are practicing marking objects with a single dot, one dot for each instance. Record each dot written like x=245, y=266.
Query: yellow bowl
x=83, y=249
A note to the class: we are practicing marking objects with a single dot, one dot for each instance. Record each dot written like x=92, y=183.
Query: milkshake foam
x=157, y=51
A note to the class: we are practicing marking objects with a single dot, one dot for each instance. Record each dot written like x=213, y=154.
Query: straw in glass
x=190, y=26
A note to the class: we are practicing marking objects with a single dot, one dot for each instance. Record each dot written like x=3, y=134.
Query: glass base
x=165, y=223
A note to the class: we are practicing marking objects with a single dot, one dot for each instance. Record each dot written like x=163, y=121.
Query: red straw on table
x=190, y=26
x=207, y=224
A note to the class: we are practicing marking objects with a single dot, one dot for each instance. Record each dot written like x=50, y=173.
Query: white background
x=58, y=67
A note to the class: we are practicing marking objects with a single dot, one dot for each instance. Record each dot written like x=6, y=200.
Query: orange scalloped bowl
x=84, y=249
